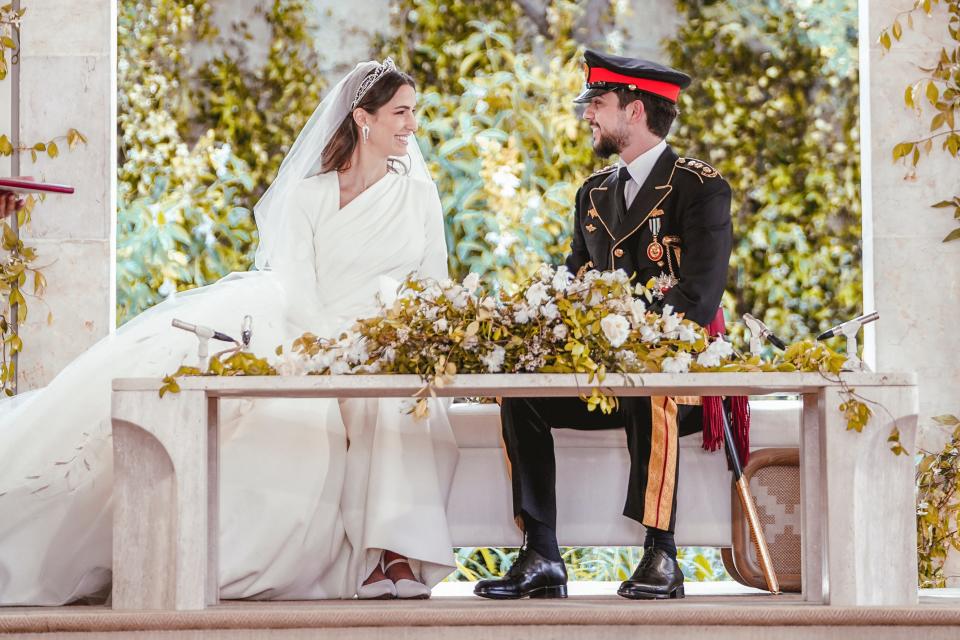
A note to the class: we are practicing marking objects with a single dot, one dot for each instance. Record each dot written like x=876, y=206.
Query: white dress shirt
x=640, y=170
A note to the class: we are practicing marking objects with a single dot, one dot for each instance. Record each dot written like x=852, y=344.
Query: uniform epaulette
x=698, y=167
x=612, y=167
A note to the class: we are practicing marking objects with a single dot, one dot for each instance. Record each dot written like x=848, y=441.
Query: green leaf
x=933, y=93
x=953, y=235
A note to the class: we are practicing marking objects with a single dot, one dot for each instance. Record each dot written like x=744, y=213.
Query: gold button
x=618, y=253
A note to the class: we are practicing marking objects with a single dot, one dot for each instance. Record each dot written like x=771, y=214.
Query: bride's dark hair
x=336, y=155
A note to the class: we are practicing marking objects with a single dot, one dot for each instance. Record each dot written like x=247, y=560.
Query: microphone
x=201, y=331
x=759, y=329
x=246, y=330
x=838, y=330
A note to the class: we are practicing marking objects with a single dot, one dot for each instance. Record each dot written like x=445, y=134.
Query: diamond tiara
x=371, y=79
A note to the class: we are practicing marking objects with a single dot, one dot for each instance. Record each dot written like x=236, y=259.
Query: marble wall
x=66, y=72
x=914, y=277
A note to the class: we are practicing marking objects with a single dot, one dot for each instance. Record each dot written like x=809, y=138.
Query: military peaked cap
x=606, y=72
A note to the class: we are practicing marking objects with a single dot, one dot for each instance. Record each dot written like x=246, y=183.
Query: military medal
x=655, y=249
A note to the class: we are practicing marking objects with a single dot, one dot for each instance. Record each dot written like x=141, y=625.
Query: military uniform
x=676, y=230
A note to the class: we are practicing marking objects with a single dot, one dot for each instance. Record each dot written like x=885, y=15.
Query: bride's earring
x=365, y=132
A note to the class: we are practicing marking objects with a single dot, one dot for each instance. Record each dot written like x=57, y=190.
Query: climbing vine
x=18, y=270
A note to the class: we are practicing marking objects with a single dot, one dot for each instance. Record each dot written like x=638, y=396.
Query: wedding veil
x=304, y=159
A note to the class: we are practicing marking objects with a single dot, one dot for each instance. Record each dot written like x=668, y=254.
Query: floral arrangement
x=597, y=324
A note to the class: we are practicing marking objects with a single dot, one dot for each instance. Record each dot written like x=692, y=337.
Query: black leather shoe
x=658, y=577
x=531, y=576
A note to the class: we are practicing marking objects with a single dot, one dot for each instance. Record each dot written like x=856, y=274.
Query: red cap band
x=657, y=87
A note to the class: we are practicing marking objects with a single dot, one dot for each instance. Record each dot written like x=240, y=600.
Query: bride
x=320, y=499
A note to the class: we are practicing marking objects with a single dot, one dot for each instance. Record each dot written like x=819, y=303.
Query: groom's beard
x=611, y=143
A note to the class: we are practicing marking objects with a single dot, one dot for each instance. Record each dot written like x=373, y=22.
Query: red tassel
x=712, y=423
x=741, y=427
x=713, y=408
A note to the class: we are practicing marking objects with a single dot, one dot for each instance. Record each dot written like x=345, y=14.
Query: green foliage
x=938, y=506
x=499, y=132
x=200, y=142
x=609, y=564
x=937, y=90
x=775, y=114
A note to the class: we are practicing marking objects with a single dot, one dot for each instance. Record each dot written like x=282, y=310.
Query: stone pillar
x=67, y=81
x=914, y=277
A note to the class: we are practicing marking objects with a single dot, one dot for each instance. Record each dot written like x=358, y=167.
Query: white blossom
x=677, y=364
x=545, y=272
x=522, y=315
x=686, y=334
x=670, y=320
x=562, y=279
x=537, y=294
x=648, y=334
x=638, y=311
x=550, y=311
x=715, y=353
x=560, y=332
x=339, y=367
x=440, y=326
x=615, y=328
x=471, y=282
x=507, y=182
x=494, y=360
x=488, y=303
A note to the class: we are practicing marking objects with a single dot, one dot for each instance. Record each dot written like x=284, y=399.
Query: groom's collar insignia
x=606, y=72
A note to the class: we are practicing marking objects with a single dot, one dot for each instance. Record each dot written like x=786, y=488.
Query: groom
x=654, y=215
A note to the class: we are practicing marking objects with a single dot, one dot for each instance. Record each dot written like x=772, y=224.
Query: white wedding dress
x=312, y=490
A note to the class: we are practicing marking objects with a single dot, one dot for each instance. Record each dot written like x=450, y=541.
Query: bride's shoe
x=380, y=590
x=407, y=589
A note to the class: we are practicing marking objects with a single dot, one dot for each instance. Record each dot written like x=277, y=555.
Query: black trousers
x=653, y=427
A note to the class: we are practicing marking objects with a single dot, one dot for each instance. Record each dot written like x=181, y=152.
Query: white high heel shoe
x=379, y=590
x=407, y=589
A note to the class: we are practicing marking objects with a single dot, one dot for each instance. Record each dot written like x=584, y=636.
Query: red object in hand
x=21, y=185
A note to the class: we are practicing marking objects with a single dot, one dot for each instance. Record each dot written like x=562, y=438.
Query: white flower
x=507, y=182
x=290, y=364
x=471, y=282
x=357, y=352
x=550, y=311
x=560, y=332
x=670, y=320
x=648, y=334
x=638, y=311
x=339, y=367
x=615, y=328
x=488, y=303
x=522, y=315
x=715, y=353
x=562, y=279
x=445, y=284
x=432, y=292
x=389, y=355
x=686, y=334
x=545, y=272
x=534, y=201
x=537, y=294
x=494, y=360
x=431, y=313
x=677, y=364
x=440, y=326
x=459, y=301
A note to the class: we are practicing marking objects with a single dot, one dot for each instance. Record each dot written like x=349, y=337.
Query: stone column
x=914, y=278
x=67, y=81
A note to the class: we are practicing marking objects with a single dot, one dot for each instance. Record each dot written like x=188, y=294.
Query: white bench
x=592, y=472
x=857, y=498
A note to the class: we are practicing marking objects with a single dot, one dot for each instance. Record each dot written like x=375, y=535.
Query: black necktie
x=623, y=176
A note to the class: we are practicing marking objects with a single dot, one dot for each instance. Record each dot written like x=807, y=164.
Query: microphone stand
x=849, y=330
